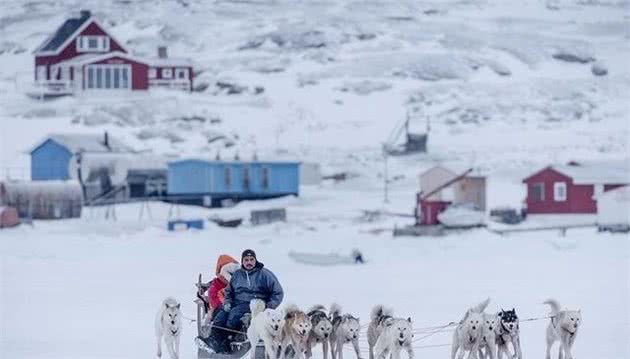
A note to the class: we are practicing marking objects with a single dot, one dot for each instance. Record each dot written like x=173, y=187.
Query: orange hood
x=223, y=260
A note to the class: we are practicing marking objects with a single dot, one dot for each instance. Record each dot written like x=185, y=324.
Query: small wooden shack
x=441, y=187
x=43, y=199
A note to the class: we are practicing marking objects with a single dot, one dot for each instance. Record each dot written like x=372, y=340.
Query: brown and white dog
x=296, y=331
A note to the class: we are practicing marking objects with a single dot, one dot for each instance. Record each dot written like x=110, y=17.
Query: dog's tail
x=256, y=306
x=555, y=306
x=379, y=311
x=479, y=308
x=335, y=310
x=316, y=308
x=291, y=310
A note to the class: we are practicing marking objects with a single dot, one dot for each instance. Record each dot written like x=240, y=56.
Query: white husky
x=488, y=337
x=379, y=317
x=266, y=325
x=468, y=333
x=563, y=327
x=168, y=325
x=397, y=334
x=346, y=329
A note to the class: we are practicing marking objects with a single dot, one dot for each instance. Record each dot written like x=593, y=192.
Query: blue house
x=50, y=160
x=207, y=182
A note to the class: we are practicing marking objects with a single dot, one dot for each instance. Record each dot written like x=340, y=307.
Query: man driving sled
x=249, y=282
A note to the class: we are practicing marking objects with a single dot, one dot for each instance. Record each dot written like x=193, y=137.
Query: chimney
x=236, y=157
x=218, y=156
x=85, y=14
x=106, y=140
x=162, y=54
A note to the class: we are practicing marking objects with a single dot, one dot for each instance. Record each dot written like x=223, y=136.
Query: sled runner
x=239, y=348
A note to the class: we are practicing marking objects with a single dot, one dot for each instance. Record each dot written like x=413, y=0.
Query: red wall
x=139, y=72
x=70, y=50
x=158, y=75
x=579, y=197
x=429, y=210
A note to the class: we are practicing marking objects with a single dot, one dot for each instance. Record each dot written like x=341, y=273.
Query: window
x=108, y=81
x=246, y=178
x=182, y=74
x=265, y=178
x=54, y=72
x=538, y=192
x=227, y=177
x=125, y=82
x=99, y=77
x=167, y=73
x=92, y=43
x=152, y=73
x=116, y=78
x=107, y=77
x=560, y=191
x=90, y=77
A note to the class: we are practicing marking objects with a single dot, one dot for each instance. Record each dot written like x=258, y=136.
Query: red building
x=572, y=188
x=81, y=56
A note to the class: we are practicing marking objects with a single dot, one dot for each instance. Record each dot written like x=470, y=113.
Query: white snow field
x=508, y=87
x=89, y=288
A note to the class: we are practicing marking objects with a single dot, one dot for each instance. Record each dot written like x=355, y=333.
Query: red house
x=81, y=56
x=572, y=188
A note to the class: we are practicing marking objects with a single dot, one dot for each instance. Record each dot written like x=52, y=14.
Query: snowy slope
x=493, y=79
x=89, y=288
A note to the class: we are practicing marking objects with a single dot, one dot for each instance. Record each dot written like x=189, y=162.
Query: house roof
x=89, y=58
x=602, y=172
x=230, y=161
x=155, y=62
x=63, y=33
x=87, y=143
x=165, y=62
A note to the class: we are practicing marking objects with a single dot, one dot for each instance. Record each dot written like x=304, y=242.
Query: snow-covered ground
x=90, y=287
x=507, y=86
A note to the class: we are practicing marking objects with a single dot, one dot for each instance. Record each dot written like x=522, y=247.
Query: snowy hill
x=519, y=74
x=506, y=86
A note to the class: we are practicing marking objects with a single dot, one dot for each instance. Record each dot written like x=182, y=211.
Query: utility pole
x=385, y=177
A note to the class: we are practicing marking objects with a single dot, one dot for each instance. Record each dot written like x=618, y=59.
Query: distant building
x=211, y=182
x=107, y=169
x=441, y=187
x=81, y=56
x=613, y=209
x=52, y=158
x=573, y=188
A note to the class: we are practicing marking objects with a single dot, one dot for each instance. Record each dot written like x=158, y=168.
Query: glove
x=227, y=307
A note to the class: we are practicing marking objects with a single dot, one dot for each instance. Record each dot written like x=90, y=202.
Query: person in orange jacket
x=226, y=265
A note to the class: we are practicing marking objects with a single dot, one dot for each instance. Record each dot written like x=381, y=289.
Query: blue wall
x=50, y=161
x=193, y=177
